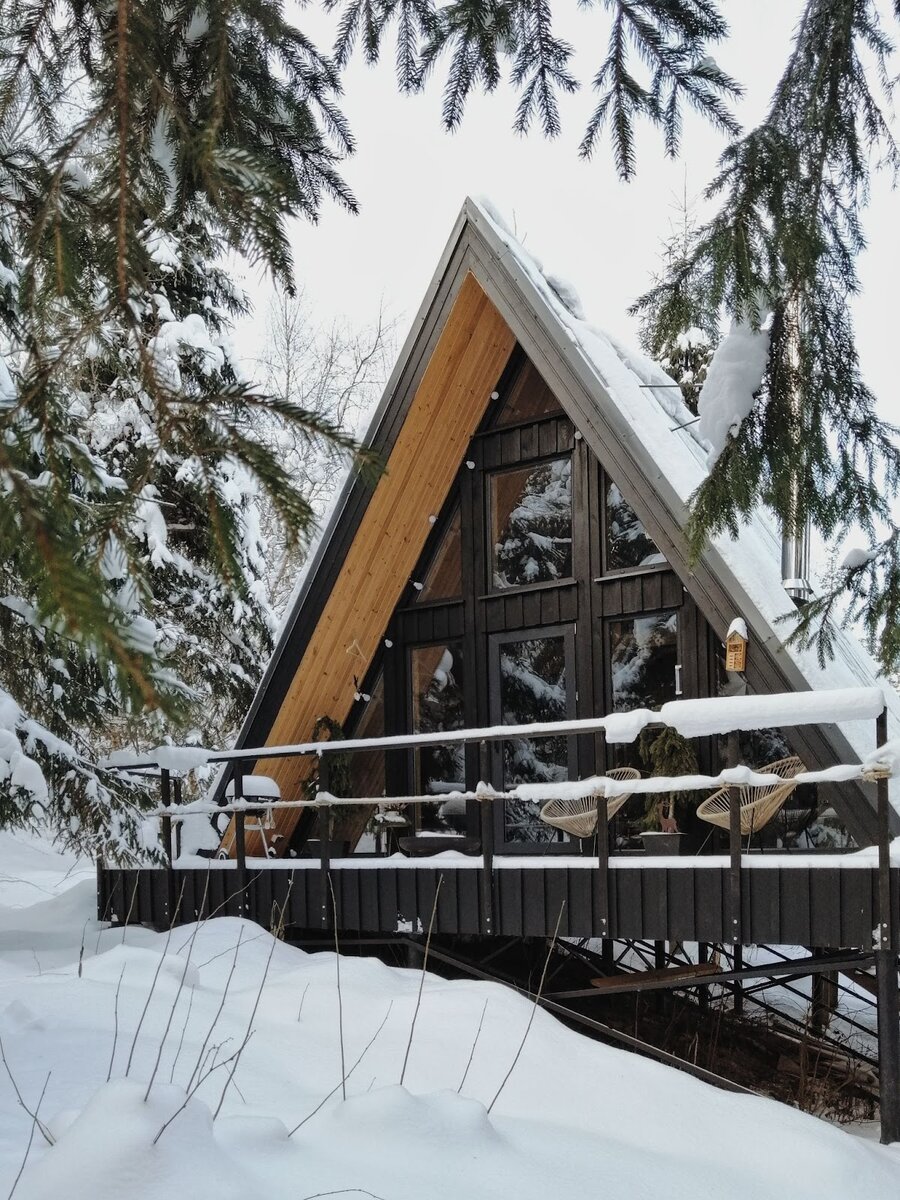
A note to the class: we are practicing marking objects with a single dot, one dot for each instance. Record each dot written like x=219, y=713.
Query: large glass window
x=628, y=546
x=443, y=579
x=532, y=688
x=531, y=523
x=528, y=399
x=643, y=656
x=436, y=676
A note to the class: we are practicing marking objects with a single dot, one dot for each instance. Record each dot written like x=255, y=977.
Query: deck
x=795, y=900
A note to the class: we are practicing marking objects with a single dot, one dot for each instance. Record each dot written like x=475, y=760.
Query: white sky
x=410, y=179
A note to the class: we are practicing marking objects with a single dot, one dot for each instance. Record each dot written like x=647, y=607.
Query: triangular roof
x=488, y=294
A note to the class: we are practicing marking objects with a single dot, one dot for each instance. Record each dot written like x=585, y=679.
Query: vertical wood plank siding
x=821, y=906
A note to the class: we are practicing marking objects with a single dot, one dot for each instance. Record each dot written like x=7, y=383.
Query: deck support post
x=888, y=1044
x=240, y=842
x=608, y=956
x=737, y=988
x=603, y=904
x=886, y=965
x=487, y=845
x=703, y=992
x=734, y=848
x=885, y=938
x=325, y=815
x=165, y=787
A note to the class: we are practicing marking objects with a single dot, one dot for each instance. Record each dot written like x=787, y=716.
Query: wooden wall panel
x=450, y=401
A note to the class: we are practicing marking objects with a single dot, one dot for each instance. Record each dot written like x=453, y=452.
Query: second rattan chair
x=579, y=817
x=758, y=805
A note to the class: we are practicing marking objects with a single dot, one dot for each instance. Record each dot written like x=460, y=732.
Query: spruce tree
x=139, y=145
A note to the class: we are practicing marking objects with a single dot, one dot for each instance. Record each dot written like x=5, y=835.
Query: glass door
x=532, y=680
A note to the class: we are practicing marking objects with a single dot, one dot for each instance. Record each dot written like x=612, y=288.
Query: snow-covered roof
x=664, y=434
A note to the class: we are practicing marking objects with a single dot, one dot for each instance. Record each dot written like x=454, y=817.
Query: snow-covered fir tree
x=138, y=147
x=684, y=342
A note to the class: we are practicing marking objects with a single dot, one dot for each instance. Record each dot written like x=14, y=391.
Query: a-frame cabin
x=522, y=558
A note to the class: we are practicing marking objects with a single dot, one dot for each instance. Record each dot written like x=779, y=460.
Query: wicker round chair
x=579, y=817
x=758, y=804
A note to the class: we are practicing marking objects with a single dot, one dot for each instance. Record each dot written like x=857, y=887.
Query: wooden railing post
x=734, y=846
x=240, y=842
x=886, y=940
x=165, y=787
x=603, y=905
x=325, y=817
x=487, y=844
x=886, y=964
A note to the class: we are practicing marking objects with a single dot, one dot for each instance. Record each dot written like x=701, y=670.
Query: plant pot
x=658, y=843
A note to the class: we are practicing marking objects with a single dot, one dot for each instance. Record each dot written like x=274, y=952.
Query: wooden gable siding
x=470, y=354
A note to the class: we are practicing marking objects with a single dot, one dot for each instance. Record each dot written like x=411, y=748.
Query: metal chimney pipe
x=795, y=564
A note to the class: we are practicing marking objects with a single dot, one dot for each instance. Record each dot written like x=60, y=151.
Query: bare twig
x=187, y=962
x=210, y=1031
x=45, y=1132
x=340, y=1004
x=343, y=1192
x=181, y=1039
x=134, y=892
x=337, y=1086
x=302, y=999
x=162, y=959
x=190, y=1094
x=412, y=1028
x=81, y=951
x=472, y=1051
x=262, y=984
x=112, y=1056
x=534, y=1008
x=35, y=1124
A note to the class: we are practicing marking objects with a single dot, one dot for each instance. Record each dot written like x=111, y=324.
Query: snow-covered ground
x=575, y=1118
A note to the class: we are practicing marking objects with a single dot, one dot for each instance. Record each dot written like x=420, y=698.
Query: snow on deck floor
x=453, y=860
x=576, y=1118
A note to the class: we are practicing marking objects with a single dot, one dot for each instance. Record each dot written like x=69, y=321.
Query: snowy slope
x=576, y=1119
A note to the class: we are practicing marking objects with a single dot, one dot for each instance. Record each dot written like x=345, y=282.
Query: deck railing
x=811, y=708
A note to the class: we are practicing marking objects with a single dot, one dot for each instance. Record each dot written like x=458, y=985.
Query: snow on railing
x=691, y=718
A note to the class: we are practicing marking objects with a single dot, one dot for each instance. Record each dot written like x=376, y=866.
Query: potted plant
x=665, y=753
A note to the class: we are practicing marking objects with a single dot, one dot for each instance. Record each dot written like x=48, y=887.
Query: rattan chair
x=579, y=817
x=758, y=805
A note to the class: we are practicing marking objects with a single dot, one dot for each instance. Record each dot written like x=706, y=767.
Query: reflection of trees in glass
x=643, y=652
x=532, y=688
x=531, y=524
x=627, y=542
x=438, y=704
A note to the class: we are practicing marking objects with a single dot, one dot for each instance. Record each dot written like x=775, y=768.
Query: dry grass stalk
x=162, y=959
x=35, y=1124
x=412, y=1028
x=337, y=1086
x=472, y=1051
x=534, y=1008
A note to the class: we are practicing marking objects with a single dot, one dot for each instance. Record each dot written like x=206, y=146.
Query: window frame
x=606, y=571
x=488, y=474
x=567, y=631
